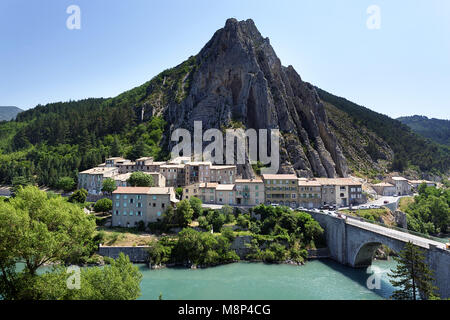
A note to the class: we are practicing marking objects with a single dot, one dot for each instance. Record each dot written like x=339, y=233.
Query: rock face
x=239, y=79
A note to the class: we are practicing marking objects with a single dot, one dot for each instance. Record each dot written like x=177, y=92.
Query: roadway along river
x=317, y=279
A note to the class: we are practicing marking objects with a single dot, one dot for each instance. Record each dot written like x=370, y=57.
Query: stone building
x=134, y=204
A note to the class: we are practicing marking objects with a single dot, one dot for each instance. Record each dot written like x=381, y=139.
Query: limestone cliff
x=238, y=78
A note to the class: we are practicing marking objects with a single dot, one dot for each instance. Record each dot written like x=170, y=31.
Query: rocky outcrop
x=238, y=78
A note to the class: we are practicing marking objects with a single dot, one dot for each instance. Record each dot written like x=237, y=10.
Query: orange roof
x=142, y=190
x=280, y=176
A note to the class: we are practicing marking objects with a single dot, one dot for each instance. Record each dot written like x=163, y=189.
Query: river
x=317, y=279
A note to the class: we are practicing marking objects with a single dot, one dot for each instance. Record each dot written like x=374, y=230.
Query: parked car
x=385, y=201
x=274, y=204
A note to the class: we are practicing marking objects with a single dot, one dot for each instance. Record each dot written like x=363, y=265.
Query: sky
x=400, y=68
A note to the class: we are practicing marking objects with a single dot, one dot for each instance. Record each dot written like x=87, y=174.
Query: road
x=402, y=236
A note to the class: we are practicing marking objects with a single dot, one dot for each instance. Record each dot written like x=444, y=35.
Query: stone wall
x=136, y=254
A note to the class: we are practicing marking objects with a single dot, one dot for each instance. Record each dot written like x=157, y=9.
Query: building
x=402, y=186
x=205, y=191
x=92, y=179
x=158, y=179
x=341, y=192
x=416, y=183
x=225, y=194
x=249, y=192
x=134, y=204
x=281, y=189
x=309, y=193
x=384, y=189
x=174, y=174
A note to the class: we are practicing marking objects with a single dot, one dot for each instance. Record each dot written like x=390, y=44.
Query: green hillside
x=435, y=129
x=408, y=147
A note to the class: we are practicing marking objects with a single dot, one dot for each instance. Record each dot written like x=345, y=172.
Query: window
x=117, y=196
x=117, y=212
x=154, y=204
x=124, y=213
x=117, y=204
x=125, y=204
x=158, y=213
x=162, y=205
x=131, y=200
x=131, y=212
x=125, y=197
x=154, y=197
x=293, y=196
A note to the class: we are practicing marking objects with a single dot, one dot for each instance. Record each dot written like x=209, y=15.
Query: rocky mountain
x=238, y=78
x=437, y=130
x=9, y=113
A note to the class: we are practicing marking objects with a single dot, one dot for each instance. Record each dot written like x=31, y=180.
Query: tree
x=79, y=196
x=196, y=205
x=140, y=179
x=120, y=280
x=179, y=192
x=18, y=182
x=35, y=229
x=66, y=184
x=108, y=186
x=181, y=216
x=412, y=275
x=140, y=149
x=103, y=205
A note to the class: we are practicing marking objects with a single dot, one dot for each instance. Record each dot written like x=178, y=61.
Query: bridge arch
x=365, y=252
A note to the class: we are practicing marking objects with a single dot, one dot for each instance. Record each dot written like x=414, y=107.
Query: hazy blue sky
x=401, y=69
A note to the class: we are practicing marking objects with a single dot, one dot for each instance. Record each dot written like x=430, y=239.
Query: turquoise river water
x=317, y=279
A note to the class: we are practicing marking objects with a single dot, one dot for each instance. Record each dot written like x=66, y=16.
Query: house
x=341, y=192
x=281, y=189
x=92, y=179
x=134, y=204
x=309, y=193
x=401, y=184
x=249, y=192
x=416, y=183
x=384, y=189
x=225, y=194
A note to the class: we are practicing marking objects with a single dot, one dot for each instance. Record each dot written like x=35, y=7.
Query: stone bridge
x=353, y=242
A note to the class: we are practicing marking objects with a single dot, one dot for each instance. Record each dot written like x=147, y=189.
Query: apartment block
x=134, y=204
x=281, y=189
x=309, y=193
x=249, y=192
x=341, y=191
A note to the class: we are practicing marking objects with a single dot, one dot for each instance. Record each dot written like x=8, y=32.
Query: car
x=363, y=207
x=373, y=206
x=274, y=204
x=385, y=201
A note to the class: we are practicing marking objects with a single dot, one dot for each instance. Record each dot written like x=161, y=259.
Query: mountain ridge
x=435, y=129
x=9, y=112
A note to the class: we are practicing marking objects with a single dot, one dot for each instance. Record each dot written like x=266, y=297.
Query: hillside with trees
x=437, y=130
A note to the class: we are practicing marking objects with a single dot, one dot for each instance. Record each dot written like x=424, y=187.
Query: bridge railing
x=415, y=233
